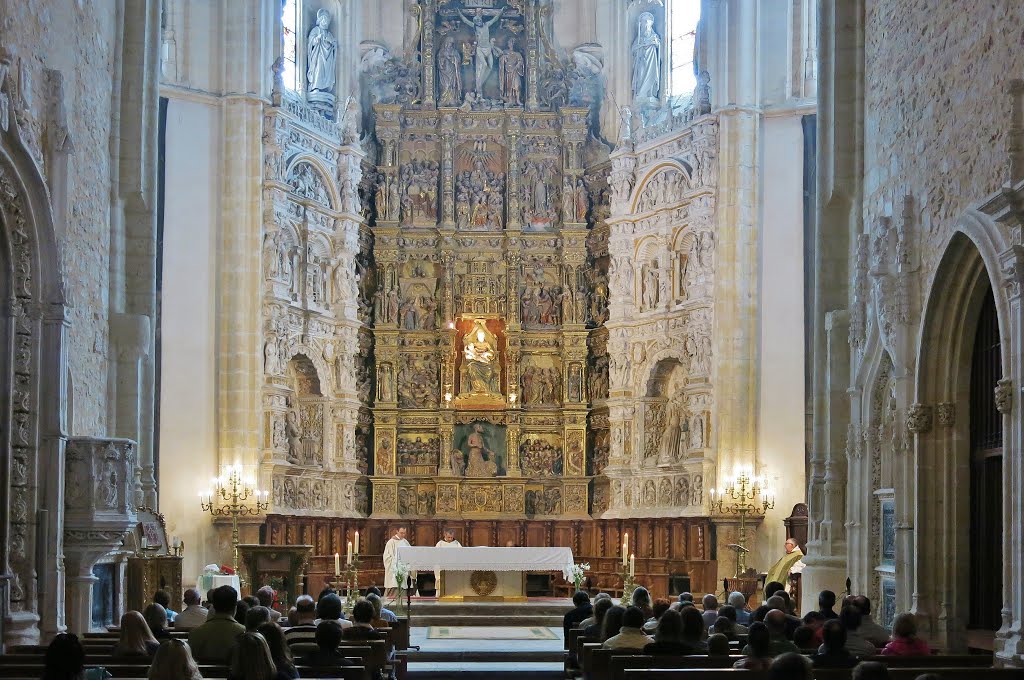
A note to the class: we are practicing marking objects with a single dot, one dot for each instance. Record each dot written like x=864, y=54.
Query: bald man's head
x=776, y=622
x=776, y=602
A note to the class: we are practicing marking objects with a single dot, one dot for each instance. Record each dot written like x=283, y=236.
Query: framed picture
x=151, y=532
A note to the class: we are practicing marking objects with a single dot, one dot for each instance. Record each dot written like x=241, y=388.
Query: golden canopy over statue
x=480, y=372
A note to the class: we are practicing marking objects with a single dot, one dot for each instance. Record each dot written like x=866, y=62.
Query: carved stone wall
x=316, y=299
x=659, y=336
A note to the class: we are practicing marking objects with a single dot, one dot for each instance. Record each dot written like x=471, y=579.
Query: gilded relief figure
x=481, y=459
x=480, y=371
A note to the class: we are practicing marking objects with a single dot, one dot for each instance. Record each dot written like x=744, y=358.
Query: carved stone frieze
x=1004, y=395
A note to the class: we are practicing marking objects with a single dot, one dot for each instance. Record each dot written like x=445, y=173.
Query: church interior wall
x=84, y=228
x=780, y=428
x=188, y=389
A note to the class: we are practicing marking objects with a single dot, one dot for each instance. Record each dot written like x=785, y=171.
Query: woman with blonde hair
x=136, y=637
x=904, y=638
x=251, y=660
x=173, y=661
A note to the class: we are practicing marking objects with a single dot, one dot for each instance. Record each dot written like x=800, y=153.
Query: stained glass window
x=683, y=16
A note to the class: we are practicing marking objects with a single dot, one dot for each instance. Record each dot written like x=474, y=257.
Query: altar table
x=485, y=573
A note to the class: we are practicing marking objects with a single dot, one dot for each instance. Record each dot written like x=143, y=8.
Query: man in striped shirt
x=302, y=631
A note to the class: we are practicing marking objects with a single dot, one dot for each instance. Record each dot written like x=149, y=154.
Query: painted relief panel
x=482, y=448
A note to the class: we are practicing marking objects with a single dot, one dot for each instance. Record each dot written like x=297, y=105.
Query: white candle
x=625, y=548
x=145, y=543
x=357, y=542
x=350, y=552
x=337, y=564
x=632, y=565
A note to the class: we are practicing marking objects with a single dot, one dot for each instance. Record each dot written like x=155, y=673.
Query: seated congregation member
x=641, y=599
x=193, y=615
x=251, y=660
x=870, y=670
x=782, y=604
x=718, y=645
x=601, y=607
x=212, y=641
x=379, y=610
x=813, y=620
x=266, y=597
x=302, y=630
x=256, y=617
x=758, y=652
x=162, y=598
x=660, y=606
x=775, y=620
x=329, y=609
x=723, y=626
x=612, y=622
x=241, y=609
x=173, y=661
x=668, y=636
x=803, y=638
x=693, y=630
x=869, y=630
x=685, y=597
x=904, y=638
x=833, y=652
x=850, y=618
x=826, y=604
x=590, y=619
x=739, y=602
x=631, y=634
x=362, y=619
x=710, y=603
x=279, y=652
x=790, y=666
x=156, y=619
x=582, y=609
x=327, y=655
x=771, y=588
x=729, y=612
x=760, y=613
x=65, y=659
x=251, y=601
x=136, y=637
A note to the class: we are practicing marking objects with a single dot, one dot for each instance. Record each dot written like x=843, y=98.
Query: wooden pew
x=619, y=663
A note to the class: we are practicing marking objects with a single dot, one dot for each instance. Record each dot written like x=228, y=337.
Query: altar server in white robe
x=391, y=562
x=448, y=541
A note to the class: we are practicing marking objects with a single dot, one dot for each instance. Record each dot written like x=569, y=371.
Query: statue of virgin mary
x=646, y=60
x=480, y=372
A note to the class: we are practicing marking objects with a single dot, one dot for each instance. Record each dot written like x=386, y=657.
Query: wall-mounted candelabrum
x=746, y=496
x=232, y=495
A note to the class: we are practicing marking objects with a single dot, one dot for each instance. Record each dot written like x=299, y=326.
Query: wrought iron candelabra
x=746, y=496
x=230, y=497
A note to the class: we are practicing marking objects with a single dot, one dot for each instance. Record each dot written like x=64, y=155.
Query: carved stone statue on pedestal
x=321, y=72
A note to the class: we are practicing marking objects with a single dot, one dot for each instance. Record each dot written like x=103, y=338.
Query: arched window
x=683, y=16
x=289, y=33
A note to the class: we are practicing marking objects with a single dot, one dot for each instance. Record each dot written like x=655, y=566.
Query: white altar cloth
x=487, y=559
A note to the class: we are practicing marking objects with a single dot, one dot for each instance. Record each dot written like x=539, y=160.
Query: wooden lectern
x=282, y=567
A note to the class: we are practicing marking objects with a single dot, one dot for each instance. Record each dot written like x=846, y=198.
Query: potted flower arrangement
x=579, y=572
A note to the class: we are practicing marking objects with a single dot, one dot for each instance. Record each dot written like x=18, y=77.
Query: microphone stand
x=408, y=607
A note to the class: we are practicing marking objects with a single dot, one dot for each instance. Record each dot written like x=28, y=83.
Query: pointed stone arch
x=33, y=374
x=973, y=262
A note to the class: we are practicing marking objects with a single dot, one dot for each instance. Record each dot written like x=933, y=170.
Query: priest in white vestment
x=448, y=541
x=391, y=562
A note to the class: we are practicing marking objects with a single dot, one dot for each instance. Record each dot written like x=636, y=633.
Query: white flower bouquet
x=579, y=572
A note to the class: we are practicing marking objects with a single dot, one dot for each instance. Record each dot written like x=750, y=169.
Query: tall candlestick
x=632, y=565
x=357, y=542
x=350, y=552
x=337, y=564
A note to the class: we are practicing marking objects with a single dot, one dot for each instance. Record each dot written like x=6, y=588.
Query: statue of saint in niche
x=511, y=69
x=450, y=75
x=480, y=459
x=646, y=60
x=323, y=54
x=480, y=371
x=484, y=47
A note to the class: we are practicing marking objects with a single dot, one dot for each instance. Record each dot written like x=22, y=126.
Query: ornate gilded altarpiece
x=437, y=301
